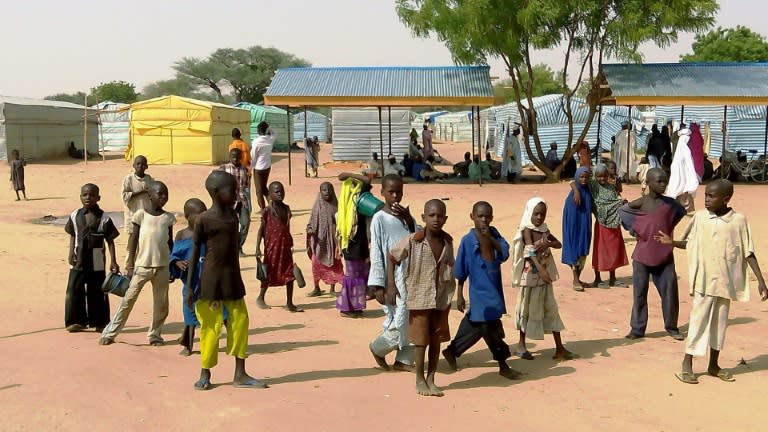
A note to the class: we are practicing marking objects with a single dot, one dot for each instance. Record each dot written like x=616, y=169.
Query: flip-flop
x=251, y=383
x=294, y=310
x=578, y=288
x=618, y=284
x=525, y=355
x=315, y=293
x=687, y=377
x=565, y=356
x=723, y=375
x=203, y=385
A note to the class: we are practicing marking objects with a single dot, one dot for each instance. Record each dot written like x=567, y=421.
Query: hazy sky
x=52, y=46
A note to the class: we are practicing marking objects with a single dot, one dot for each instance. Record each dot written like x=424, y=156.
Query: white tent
x=114, y=124
x=42, y=129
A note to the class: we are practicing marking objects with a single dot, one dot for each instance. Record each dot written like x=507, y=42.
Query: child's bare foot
x=402, y=367
x=434, y=389
x=156, y=343
x=204, y=383
x=317, y=292
x=422, y=388
x=185, y=352
x=509, y=373
x=451, y=359
x=74, y=328
x=293, y=308
x=261, y=304
x=248, y=382
x=563, y=355
x=381, y=361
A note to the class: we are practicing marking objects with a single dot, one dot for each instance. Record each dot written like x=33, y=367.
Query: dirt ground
x=321, y=375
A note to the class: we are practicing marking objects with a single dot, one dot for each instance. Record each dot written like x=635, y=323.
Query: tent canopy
x=178, y=130
x=687, y=84
x=403, y=86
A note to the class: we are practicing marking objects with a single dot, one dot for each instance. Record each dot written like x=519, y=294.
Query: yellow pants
x=211, y=317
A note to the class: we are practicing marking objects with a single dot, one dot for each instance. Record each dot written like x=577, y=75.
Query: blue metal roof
x=381, y=86
x=688, y=83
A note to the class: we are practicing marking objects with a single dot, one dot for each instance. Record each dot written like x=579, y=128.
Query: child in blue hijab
x=577, y=226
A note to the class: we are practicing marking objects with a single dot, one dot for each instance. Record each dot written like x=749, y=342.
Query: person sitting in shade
x=461, y=169
x=417, y=167
x=494, y=166
x=374, y=168
x=407, y=165
x=392, y=167
x=479, y=170
x=429, y=172
x=552, y=161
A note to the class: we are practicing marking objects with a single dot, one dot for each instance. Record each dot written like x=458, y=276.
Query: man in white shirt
x=261, y=160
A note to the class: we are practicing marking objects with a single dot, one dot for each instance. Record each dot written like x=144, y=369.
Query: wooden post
x=306, y=169
x=288, y=116
x=599, y=148
x=765, y=139
x=629, y=137
x=389, y=113
x=85, y=130
x=381, y=139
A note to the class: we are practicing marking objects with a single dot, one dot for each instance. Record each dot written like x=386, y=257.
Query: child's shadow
x=277, y=347
x=759, y=363
x=316, y=375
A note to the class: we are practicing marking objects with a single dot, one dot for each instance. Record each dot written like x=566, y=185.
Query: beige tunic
x=135, y=197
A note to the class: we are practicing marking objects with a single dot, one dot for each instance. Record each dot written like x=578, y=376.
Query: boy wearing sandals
x=719, y=246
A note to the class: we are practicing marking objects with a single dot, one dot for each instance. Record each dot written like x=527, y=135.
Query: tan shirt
x=430, y=283
x=135, y=197
x=718, y=248
x=153, y=250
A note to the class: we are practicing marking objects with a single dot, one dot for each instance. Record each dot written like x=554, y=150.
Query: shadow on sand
x=276, y=347
x=324, y=374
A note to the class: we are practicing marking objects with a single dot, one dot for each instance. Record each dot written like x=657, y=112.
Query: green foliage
x=546, y=81
x=247, y=71
x=738, y=44
x=588, y=31
x=115, y=91
x=76, y=98
x=179, y=86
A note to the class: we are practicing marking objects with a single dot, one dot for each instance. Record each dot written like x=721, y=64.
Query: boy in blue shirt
x=481, y=252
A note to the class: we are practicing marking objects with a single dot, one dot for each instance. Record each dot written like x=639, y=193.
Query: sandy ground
x=321, y=374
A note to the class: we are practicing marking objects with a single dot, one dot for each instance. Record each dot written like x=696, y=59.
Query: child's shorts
x=422, y=324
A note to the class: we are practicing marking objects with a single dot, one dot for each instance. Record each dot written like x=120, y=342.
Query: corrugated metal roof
x=381, y=86
x=13, y=100
x=702, y=83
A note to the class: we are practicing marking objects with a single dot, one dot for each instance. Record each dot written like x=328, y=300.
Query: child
x=242, y=203
x=221, y=286
x=644, y=218
x=352, y=231
x=275, y=229
x=322, y=247
x=149, y=250
x=17, y=175
x=534, y=272
x=430, y=283
x=374, y=168
x=481, y=252
x=715, y=237
x=89, y=228
x=180, y=256
x=613, y=178
x=135, y=195
x=388, y=227
x=608, y=252
x=577, y=227
x=642, y=173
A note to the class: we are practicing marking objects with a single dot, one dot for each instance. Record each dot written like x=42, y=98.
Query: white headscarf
x=518, y=244
x=682, y=177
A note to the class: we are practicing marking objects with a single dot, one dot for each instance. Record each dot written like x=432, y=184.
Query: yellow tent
x=178, y=130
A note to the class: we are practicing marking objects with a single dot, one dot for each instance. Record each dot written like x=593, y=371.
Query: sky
x=54, y=46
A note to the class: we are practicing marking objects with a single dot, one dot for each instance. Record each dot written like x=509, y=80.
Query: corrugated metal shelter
x=453, y=127
x=356, y=132
x=276, y=117
x=317, y=125
x=179, y=130
x=114, y=125
x=42, y=129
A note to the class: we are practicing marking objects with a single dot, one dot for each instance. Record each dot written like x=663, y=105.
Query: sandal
x=687, y=377
x=525, y=355
x=578, y=288
x=723, y=375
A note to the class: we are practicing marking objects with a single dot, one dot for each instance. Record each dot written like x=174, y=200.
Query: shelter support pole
x=381, y=138
x=85, y=129
x=629, y=137
x=389, y=113
x=306, y=170
x=288, y=117
x=725, y=140
x=765, y=138
x=476, y=122
x=599, y=128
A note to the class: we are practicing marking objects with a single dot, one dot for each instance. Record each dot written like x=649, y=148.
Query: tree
x=76, y=98
x=115, y=91
x=545, y=79
x=247, y=71
x=588, y=31
x=179, y=86
x=738, y=44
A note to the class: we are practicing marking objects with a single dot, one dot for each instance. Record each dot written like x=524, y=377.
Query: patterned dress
x=277, y=248
x=17, y=174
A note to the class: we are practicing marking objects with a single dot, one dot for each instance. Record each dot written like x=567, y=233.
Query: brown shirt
x=430, y=284
x=220, y=278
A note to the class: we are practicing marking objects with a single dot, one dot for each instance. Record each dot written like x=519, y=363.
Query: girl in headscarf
x=683, y=180
x=577, y=226
x=696, y=144
x=534, y=272
x=322, y=246
x=310, y=155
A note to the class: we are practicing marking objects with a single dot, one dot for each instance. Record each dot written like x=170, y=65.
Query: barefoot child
x=644, y=218
x=388, y=227
x=534, y=272
x=180, y=256
x=221, y=286
x=608, y=251
x=352, y=231
x=149, y=250
x=243, y=203
x=135, y=192
x=427, y=258
x=89, y=227
x=275, y=230
x=322, y=246
x=719, y=247
x=481, y=252
x=17, y=175
x=577, y=227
